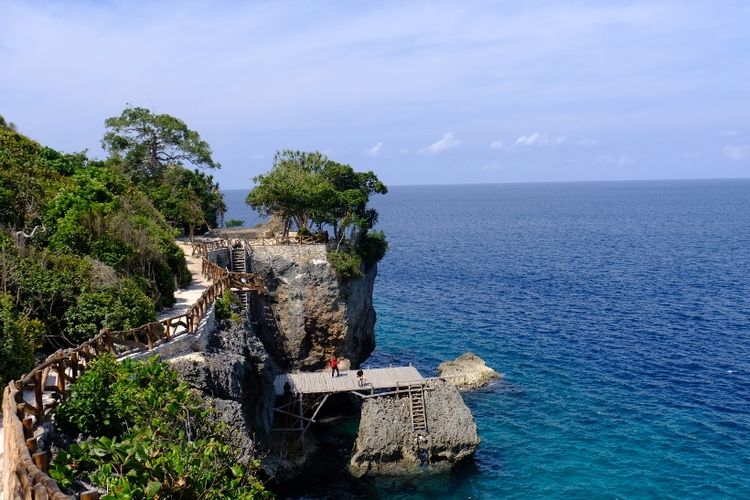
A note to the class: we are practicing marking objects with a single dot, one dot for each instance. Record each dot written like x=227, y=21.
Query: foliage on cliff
x=309, y=191
x=149, y=436
x=152, y=149
x=81, y=247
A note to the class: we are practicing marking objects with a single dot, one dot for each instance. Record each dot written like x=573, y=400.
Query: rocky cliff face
x=236, y=376
x=386, y=444
x=309, y=313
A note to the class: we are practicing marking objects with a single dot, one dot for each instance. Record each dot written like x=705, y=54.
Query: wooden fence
x=28, y=401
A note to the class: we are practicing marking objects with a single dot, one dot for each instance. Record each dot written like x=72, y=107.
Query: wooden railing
x=28, y=401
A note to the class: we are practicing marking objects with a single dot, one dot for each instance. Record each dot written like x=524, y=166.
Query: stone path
x=185, y=297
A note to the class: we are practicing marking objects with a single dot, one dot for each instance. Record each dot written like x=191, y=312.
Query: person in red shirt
x=334, y=366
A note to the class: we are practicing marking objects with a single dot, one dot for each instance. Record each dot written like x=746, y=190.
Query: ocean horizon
x=617, y=311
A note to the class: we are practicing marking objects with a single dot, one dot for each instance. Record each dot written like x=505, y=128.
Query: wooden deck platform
x=322, y=383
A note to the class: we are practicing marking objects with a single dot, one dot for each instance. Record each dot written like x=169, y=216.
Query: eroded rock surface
x=310, y=313
x=386, y=444
x=468, y=371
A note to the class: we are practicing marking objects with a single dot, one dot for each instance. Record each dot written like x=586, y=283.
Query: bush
x=224, y=305
x=120, y=307
x=150, y=437
x=18, y=338
x=234, y=223
x=372, y=248
x=346, y=263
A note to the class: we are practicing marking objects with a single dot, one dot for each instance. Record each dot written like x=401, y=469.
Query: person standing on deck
x=334, y=366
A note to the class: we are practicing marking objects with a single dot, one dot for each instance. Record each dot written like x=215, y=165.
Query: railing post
x=74, y=365
x=38, y=393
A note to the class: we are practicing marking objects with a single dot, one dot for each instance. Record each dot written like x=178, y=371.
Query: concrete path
x=186, y=297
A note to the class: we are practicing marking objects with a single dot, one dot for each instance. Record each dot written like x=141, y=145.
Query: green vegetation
x=224, y=307
x=233, y=223
x=86, y=244
x=151, y=150
x=148, y=436
x=309, y=191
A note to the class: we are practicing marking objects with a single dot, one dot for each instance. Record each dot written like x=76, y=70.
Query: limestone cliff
x=309, y=313
x=386, y=444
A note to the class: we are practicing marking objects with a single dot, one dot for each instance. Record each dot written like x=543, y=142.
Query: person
x=361, y=377
x=334, y=366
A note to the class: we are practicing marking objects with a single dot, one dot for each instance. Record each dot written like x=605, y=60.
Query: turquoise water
x=619, y=314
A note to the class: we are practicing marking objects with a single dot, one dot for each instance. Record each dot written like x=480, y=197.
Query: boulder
x=386, y=444
x=220, y=375
x=468, y=371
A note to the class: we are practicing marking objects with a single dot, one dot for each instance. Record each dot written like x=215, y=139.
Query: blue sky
x=419, y=92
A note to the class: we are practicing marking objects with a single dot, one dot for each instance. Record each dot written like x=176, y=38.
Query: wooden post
x=74, y=365
x=167, y=327
x=41, y=460
x=28, y=427
x=90, y=495
x=38, y=396
x=31, y=445
x=40, y=492
x=60, y=367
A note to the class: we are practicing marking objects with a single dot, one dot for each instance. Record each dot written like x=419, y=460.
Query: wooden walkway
x=377, y=379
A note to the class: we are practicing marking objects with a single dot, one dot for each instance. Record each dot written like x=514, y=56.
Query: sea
x=617, y=312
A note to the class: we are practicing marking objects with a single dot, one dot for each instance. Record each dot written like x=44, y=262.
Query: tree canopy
x=148, y=142
x=308, y=189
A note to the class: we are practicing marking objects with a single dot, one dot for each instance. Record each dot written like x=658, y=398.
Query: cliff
x=310, y=313
x=386, y=444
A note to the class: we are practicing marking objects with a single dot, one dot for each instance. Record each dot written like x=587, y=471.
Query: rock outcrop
x=235, y=375
x=310, y=313
x=386, y=444
x=468, y=371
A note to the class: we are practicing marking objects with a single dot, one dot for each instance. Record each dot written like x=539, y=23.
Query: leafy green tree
x=190, y=200
x=147, y=142
x=307, y=189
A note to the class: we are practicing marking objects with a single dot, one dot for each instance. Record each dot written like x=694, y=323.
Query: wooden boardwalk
x=321, y=382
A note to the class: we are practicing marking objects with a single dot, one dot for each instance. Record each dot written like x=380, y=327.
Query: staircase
x=239, y=266
x=418, y=416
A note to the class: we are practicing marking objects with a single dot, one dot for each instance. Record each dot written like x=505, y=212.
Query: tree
x=146, y=143
x=7, y=125
x=307, y=189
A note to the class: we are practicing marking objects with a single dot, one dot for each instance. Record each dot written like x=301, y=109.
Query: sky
x=420, y=92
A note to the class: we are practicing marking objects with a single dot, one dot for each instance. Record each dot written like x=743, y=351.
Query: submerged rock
x=386, y=443
x=468, y=371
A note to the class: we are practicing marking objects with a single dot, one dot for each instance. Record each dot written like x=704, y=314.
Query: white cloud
x=588, y=142
x=538, y=139
x=443, y=144
x=375, y=150
x=617, y=160
x=496, y=145
x=737, y=153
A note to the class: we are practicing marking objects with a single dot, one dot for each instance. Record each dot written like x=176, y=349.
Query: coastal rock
x=219, y=375
x=239, y=433
x=309, y=313
x=468, y=371
x=387, y=445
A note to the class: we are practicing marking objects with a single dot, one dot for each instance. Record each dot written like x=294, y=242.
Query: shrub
x=346, y=263
x=150, y=437
x=18, y=337
x=372, y=248
x=234, y=223
x=119, y=307
x=223, y=307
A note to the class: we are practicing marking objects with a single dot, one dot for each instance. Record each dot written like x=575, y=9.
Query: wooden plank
x=322, y=383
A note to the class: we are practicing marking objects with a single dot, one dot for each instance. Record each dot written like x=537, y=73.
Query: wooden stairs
x=418, y=415
x=239, y=265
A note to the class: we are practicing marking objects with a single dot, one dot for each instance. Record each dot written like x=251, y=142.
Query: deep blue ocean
x=618, y=312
